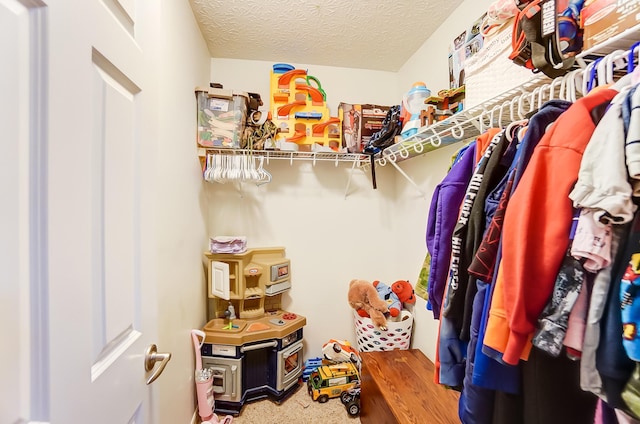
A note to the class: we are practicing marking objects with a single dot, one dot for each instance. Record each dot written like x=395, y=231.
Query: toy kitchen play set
x=253, y=347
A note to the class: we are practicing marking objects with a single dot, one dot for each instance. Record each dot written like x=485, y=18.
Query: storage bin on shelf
x=370, y=338
x=222, y=115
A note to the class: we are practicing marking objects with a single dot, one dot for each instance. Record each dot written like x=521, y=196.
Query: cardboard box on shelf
x=359, y=123
x=603, y=19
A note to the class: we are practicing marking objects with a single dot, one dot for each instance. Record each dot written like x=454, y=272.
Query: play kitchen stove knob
x=152, y=356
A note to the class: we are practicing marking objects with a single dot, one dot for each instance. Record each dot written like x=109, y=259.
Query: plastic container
x=222, y=115
x=370, y=338
x=413, y=102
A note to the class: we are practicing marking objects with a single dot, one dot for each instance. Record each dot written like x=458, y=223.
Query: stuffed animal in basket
x=396, y=296
x=391, y=299
x=363, y=297
x=404, y=290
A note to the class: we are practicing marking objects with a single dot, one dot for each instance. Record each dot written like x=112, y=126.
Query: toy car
x=340, y=351
x=351, y=400
x=353, y=407
x=330, y=381
x=351, y=394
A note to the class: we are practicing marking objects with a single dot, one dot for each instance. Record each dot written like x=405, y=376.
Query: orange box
x=603, y=19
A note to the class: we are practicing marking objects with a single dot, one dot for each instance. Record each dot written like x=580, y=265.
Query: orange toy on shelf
x=316, y=95
x=319, y=129
x=300, y=110
x=286, y=109
x=284, y=81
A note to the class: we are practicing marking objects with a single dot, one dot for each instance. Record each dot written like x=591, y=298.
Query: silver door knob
x=151, y=356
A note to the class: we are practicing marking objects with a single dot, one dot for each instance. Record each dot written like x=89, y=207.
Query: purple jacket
x=443, y=215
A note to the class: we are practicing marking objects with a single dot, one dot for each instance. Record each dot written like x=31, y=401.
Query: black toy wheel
x=323, y=398
x=353, y=408
x=345, y=397
x=337, y=348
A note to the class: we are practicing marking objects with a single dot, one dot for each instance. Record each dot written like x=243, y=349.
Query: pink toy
x=204, y=382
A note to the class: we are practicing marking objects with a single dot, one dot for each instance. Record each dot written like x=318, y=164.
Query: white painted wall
x=429, y=62
x=346, y=85
x=329, y=239
x=372, y=234
x=183, y=63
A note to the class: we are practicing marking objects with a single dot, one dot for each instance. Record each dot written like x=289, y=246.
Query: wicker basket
x=371, y=338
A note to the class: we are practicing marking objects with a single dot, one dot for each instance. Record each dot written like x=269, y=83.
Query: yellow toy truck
x=329, y=381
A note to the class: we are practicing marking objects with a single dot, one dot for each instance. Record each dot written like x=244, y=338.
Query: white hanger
x=263, y=174
x=573, y=81
x=552, y=88
x=521, y=113
x=587, y=77
x=481, y=118
x=632, y=69
x=457, y=131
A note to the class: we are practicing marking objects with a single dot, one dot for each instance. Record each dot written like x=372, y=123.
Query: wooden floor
x=398, y=387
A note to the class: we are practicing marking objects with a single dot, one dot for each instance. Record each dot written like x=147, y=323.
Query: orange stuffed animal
x=404, y=290
x=363, y=297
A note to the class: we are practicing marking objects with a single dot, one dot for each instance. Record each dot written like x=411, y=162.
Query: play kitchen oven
x=253, y=370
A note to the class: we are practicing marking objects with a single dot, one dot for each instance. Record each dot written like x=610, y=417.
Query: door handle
x=244, y=349
x=151, y=356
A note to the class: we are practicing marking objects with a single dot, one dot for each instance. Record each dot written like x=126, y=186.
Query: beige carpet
x=297, y=409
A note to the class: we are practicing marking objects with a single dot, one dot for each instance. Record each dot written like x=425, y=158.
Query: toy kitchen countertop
x=236, y=332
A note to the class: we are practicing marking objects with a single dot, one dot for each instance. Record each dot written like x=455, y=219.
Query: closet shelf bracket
x=409, y=179
x=353, y=167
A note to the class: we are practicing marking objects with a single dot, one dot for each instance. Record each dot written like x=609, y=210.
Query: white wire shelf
x=335, y=157
x=507, y=107
x=501, y=110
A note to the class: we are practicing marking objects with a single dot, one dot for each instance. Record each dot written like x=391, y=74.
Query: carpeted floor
x=297, y=409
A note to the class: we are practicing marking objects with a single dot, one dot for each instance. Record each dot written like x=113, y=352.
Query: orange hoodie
x=536, y=229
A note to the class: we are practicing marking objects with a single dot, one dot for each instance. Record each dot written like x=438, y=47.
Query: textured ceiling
x=372, y=34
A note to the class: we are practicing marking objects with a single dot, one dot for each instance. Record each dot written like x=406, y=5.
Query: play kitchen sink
x=254, y=358
x=275, y=324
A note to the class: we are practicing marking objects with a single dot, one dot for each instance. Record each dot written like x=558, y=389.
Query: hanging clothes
x=612, y=362
x=421, y=287
x=443, y=214
x=540, y=213
x=479, y=401
x=452, y=350
x=516, y=268
x=602, y=183
x=467, y=234
x=590, y=379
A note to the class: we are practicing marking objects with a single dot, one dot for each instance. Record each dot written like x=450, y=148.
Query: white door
x=101, y=119
x=20, y=191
